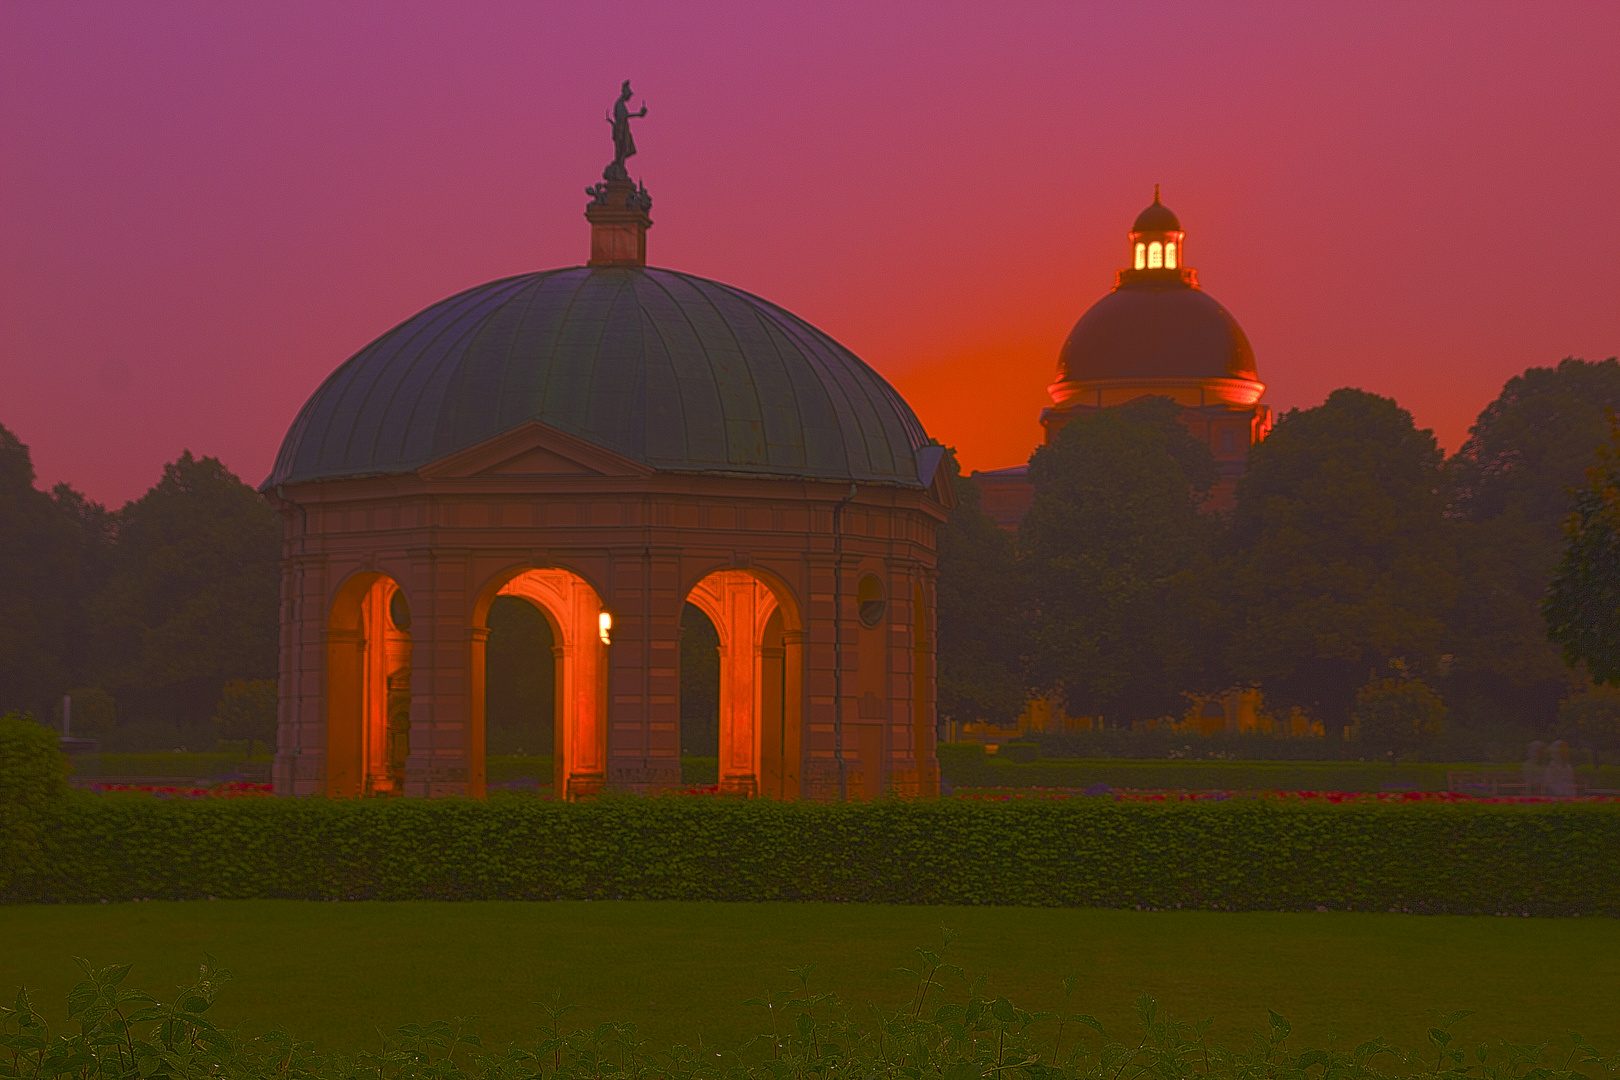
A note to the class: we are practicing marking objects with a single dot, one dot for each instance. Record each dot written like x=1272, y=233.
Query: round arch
x=368, y=687
x=779, y=589
x=574, y=609
x=761, y=680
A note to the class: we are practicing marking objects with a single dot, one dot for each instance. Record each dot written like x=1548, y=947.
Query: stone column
x=300, y=761
x=925, y=729
x=441, y=650
x=820, y=779
x=345, y=690
x=643, y=738
x=478, y=642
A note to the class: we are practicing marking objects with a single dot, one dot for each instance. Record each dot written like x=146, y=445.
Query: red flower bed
x=1335, y=797
x=237, y=789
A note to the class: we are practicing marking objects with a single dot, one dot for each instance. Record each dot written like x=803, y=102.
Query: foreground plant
x=814, y=1035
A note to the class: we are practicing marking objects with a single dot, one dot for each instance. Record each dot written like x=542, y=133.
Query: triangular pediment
x=537, y=461
x=533, y=449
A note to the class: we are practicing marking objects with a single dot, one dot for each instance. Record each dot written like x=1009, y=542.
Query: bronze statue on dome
x=624, y=144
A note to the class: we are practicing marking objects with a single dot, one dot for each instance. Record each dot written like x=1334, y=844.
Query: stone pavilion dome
x=677, y=372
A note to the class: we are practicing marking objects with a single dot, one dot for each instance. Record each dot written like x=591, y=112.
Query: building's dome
x=677, y=372
x=1156, y=218
x=1156, y=329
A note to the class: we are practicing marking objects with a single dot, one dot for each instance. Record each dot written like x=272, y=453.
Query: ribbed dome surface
x=1152, y=330
x=675, y=371
x=1157, y=218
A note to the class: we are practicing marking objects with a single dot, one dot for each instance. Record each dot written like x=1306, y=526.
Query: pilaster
x=441, y=645
x=643, y=735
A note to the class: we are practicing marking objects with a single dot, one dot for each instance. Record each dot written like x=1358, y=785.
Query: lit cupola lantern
x=1157, y=242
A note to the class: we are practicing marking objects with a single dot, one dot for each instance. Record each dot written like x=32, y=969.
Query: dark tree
x=1534, y=443
x=1340, y=559
x=1397, y=715
x=980, y=636
x=88, y=535
x=38, y=588
x=1582, y=606
x=1111, y=552
x=190, y=602
x=1510, y=490
x=1503, y=671
x=1192, y=454
x=246, y=713
x=1591, y=719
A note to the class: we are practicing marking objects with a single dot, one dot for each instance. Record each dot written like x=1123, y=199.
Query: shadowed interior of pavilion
x=520, y=709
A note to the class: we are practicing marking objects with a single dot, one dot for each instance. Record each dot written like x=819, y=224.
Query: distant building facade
x=1157, y=333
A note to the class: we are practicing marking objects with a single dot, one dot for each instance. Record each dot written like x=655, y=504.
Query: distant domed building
x=1156, y=333
x=608, y=442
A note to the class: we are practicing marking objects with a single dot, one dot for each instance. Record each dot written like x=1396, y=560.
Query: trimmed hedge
x=1254, y=854
x=33, y=779
x=966, y=765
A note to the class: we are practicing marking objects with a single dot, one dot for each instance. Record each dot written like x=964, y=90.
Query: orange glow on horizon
x=213, y=199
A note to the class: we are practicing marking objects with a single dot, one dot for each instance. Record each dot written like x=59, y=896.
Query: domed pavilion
x=608, y=442
x=1156, y=333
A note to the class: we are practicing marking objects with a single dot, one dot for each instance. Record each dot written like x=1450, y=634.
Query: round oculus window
x=870, y=601
x=399, y=610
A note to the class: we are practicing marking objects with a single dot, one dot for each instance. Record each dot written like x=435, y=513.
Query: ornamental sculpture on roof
x=624, y=144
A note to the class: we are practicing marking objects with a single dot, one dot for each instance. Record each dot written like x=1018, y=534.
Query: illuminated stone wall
x=579, y=531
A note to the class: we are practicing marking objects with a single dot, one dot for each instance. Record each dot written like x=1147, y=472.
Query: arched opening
x=1170, y=255
x=1141, y=256
x=760, y=647
x=699, y=684
x=368, y=688
x=520, y=679
x=577, y=655
x=1155, y=255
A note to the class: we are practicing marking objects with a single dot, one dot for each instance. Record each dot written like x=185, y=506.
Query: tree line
x=159, y=618
x=1362, y=579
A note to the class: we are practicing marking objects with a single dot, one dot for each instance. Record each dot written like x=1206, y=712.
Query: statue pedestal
x=619, y=224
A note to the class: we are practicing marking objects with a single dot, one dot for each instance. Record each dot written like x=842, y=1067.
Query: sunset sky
x=206, y=208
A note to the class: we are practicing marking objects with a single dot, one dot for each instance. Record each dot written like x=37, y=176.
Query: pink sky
x=206, y=208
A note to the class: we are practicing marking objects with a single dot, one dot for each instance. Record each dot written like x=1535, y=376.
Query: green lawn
x=338, y=972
